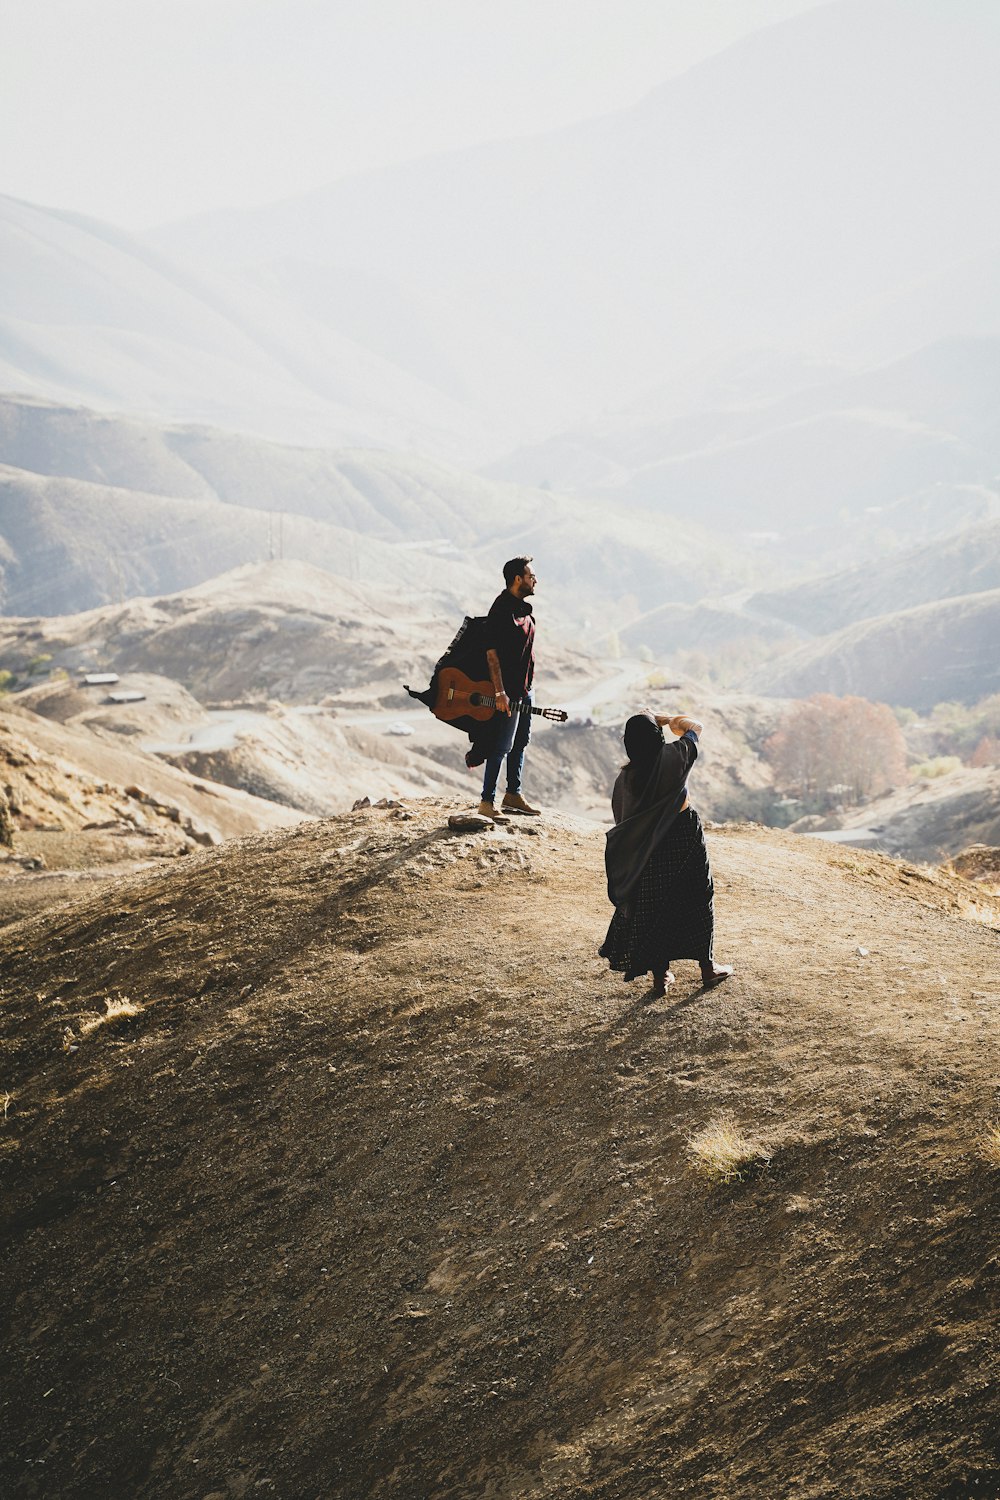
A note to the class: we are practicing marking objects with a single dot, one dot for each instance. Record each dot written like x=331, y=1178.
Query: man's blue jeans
x=510, y=745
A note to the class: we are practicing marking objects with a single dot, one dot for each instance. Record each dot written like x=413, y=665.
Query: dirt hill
x=163, y=508
x=966, y=563
x=916, y=657
x=336, y=1164
x=934, y=819
x=85, y=806
x=277, y=629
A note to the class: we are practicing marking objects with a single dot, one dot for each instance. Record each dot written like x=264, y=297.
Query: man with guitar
x=510, y=657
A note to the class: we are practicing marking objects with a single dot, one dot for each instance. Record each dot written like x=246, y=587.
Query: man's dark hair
x=516, y=568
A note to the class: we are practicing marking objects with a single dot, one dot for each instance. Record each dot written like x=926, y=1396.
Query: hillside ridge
x=372, y=1179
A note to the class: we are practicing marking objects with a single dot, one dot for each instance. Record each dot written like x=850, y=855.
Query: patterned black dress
x=672, y=914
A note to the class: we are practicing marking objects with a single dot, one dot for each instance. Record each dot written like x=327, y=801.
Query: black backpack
x=467, y=652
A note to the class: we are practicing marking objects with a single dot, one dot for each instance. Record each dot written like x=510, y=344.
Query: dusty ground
x=384, y=1189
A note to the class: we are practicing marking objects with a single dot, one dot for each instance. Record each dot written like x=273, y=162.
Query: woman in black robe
x=659, y=878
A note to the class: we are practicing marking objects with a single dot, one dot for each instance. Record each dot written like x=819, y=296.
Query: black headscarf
x=643, y=743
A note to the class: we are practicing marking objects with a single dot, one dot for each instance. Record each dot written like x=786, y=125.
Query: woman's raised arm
x=678, y=723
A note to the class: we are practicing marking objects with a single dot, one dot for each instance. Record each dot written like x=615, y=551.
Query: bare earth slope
x=384, y=1188
x=282, y=629
x=934, y=819
x=85, y=806
x=916, y=657
x=966, y=563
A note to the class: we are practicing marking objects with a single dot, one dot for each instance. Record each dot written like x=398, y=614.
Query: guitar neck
x=489, y=701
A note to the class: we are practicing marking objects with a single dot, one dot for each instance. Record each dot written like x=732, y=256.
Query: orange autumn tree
x=987, y=752
x=846, y=748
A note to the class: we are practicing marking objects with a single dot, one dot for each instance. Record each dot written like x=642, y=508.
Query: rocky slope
x=96, y=507
x=934, y=819
x=914, y=658
x=86, y=806
x=967, y=563
x=336, y=1164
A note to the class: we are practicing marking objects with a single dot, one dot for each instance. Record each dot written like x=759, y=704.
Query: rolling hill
x=275, y=630
x=308, y=1192
x=68, y=545
x=967, y=562
x=95, y=508
x=913, y=658
x=95, y=318
x=387, y=496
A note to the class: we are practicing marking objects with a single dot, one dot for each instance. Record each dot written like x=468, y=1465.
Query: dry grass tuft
x=989, y=1146
x=115, y=1011
x=979, y=911
x=722, y=1153
x=119, y=1010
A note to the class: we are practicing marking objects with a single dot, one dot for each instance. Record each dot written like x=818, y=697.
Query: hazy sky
x=141, y=111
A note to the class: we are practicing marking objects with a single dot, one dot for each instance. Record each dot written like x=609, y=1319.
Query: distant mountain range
x=743, y=334
x=797, y=190
x=967, y=562
x=917, y=658
x=822, y=187
x=862, y=451
x=91, y=316
x=95, y=509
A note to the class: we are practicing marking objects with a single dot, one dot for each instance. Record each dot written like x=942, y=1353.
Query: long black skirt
x=672, y=913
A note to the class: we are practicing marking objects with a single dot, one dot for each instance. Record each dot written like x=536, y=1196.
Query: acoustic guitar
x=459, y=697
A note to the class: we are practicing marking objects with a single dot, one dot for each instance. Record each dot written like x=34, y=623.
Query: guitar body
x=458, y=697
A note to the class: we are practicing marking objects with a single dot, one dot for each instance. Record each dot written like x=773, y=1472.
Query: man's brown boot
x=487, y=810
x=513, y=802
